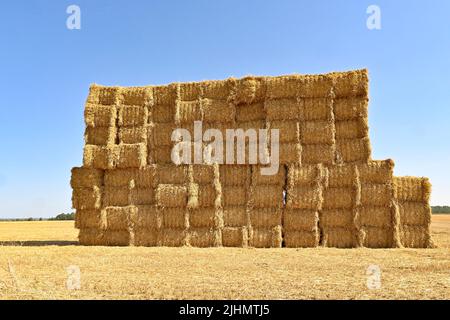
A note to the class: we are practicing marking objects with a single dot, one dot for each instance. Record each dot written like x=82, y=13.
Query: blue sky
x=46, y=71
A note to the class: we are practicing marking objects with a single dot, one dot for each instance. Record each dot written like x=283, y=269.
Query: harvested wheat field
x=35, y=256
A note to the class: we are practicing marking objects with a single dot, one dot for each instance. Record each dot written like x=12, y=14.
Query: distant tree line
x=440, y=209
x=59, y=217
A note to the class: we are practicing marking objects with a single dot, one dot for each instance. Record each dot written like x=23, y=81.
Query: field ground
x=35, y=256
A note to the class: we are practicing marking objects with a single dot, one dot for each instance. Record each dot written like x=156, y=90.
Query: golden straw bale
x=251, y=112
x=173, y=237
x=265, y=238
x=300, y=220
x=163, y=113
x=317, y=153
x=171, y=174
x=235, y=196
x=119, y=238
x=412, y=189
x=290, y=153
x=171, y=195
x=375, y=237
x=133, y=116
x=314, y=86
x=332, y=218
x=219, y=89
x=317, y=132
x=86, y=198
x=188, y=112
x=119, y=177
x=352, y=129
x=204, y=218
x=188, y=91
x=174, y=218
x=265, y=217
x=414, y=213
x=165, y=95
x=267, y=196
x=304, y=197
x=235, y=216
x=354, y=150
x=133, y=135
x=120, y=218
x=305, y=175
x=99, y=157
x=301, y=239
x=145, y=177
x=102, y=95
x=161, y=155
x=193, y=195
x=376, y=171
x=336, y=198
x=115, y=196
x=339, y=238
x=203, y=174
x=96, y=116
x=147, y=217
x=282, y=87
x=90, y=219
x=351, y=83
x=86, y=177
x=282, y=109
x=314, y=109
x=250, y=89
x=91, y=237
x=204, y=237
x=206, y=195
x=217, y=110
x=234, y=175
x=100, y=136
x=136, y=96
x=341, y=176
x=351, y=108
x=376, y=216
x=289, y=130
x=142, y=196
x=131, y=155
x=276, y=179
x=415, y=237
x=235, y=237
x=376, y=194
x=146, y=237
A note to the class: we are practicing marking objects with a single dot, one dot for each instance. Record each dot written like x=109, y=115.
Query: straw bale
x=234, y=196
x=217, y=110
x=250, y=90
x=235, y=216
x=289, y=130
x=91, y=237
x=206, y=195
x=376, y=194
x=136, y=96
x=304, y=197
x=415, y=237
x=174, y=218
x=282, y=109
x=313, y=86
x=317, y=153
x=317, y=132
x=204, y=237
x=99, y=157
x=120, y=238
x=376, y=171
x=173, y=237
x=188, y=111
x=142, y=196
x=160, y=155
x=218, y=89
x=233, y=175
x=290, y=153
x=115, y=196
x=86, y=177
x=188, y=91
x=376, y=216
x=102, y=95
x=351, y=83
x=100, y=136
x=265, y=217
x=267, y=196
x=86, y=198
x=163, y=113
x=351, y=108
x=204, y=218
x=235, y=237
x=251, y=112
x=171, y=174
x=161, y=134
x=146, y=237
x=354, y=150
x=375, y=237
x=133, y=116
x=90, y=219
x=282, y=87
x=300, y=220
x=301, y=239
x=119, y=177
x=203, y=174
x=96, y=116
x=338, y=198
x=308, y=175
x=171, y=195
x=412, y=189
x=352, y=129
x=147, y=217
x=193, y=195
x=341, y=176
x=343, y=218
x=276, y=179
x=414, y=213
x=133, y=135
x=131, y=155
x=120, y=218
x=339, y=238
x=315, y=109
x=165, y=95
x=265, y=238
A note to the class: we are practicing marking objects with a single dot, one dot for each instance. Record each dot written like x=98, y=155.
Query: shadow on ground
x=38, y=243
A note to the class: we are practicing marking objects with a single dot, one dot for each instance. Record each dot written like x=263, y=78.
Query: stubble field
x=35, y=257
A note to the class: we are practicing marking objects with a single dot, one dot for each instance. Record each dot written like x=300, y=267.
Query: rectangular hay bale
x=86, y=177
x=265, y=238
x=339, y=238
x=300, y=220
x=317, y=153
x=301, y=239
x=171, y=195
x=262, y=218
x=86, y=198
x=96, y=116
x=235, y=237
x=100, y=136
x=131, y=155
x=235, y=216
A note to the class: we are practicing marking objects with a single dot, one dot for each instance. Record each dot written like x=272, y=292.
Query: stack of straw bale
x=327, y=192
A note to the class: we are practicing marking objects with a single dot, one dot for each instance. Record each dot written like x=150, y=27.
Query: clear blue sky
x=46, y=70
